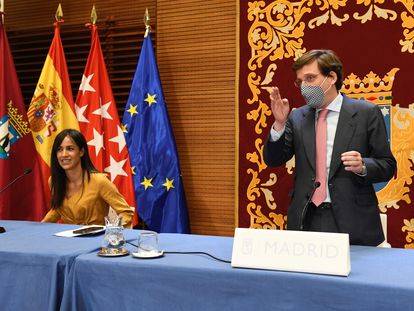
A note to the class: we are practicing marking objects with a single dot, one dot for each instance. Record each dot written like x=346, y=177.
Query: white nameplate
x=286, y=250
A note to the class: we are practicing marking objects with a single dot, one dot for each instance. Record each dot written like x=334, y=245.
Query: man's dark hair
x=327, y=61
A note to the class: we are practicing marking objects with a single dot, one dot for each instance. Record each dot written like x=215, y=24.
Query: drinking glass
x=114, y=239
x=148, y=243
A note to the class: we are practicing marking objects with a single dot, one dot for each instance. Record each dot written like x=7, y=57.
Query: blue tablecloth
x=39, y=271
x=34, y=264
x=381, y=279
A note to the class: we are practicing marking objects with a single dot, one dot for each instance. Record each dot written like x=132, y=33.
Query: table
x=39, y=271
x=381, y=279
x=34, y=264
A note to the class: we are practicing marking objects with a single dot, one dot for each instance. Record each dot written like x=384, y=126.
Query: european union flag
x=158, y=185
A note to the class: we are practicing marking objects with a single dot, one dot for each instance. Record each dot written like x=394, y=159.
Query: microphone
x=316, y=185
x=26, y=171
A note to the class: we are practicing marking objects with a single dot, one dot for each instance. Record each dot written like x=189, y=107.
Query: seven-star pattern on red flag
x=99, y=121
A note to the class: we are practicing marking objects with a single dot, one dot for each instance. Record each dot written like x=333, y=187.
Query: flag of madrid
x=99, y=122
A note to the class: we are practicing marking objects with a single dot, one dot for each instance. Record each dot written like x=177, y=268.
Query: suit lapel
x=309, y=138
x=344, y=132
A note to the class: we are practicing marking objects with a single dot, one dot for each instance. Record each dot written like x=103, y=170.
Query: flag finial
x=147, y=23
x=2, y=11
x=59, y=13
x=94, y=16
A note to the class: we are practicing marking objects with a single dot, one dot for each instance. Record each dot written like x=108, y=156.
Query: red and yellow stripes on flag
x=51, y=109
x=99, y=122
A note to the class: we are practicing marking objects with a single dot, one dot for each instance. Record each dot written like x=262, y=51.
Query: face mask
x=314, y=94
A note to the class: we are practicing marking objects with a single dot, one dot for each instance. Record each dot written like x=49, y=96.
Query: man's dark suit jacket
x=361, y=128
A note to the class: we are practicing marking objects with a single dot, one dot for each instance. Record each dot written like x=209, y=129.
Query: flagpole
x=147, y=23
x=159, y=188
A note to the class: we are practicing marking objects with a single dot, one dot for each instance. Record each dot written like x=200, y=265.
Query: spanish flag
x=51, y=109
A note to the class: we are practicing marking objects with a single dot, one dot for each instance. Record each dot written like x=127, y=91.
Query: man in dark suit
x=350, y=146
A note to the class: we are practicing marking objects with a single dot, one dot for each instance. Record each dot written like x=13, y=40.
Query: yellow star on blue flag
x=168, y=184
x=150, y=99
x=147, y=183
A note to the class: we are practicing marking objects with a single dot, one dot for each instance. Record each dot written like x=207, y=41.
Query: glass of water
x=148, y=243
x=114, y=239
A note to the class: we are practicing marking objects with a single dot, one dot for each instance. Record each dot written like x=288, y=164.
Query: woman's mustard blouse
x=90, y=205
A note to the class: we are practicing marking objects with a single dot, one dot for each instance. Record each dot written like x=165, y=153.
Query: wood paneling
x=196, y=53
x=29, y=26
x=24, y=14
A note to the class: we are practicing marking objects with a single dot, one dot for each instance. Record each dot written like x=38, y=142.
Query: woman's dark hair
x=58, y=175
x=327, y=62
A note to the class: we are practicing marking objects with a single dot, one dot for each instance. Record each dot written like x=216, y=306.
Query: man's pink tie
x=320, y=193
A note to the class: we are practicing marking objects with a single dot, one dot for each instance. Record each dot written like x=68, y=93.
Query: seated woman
x=80, y=193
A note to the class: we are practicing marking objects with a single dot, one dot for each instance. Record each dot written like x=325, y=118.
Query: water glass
x=114, y=239
x=148, y=243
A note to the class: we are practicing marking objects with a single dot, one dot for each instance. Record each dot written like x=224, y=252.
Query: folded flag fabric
x=51, y=109
x=157, y=178
x=99, y=122
x=22, y=195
